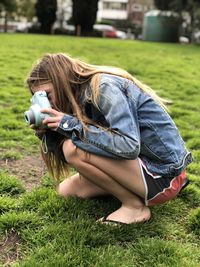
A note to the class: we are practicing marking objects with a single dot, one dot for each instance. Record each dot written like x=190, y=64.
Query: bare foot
x=128, y=215
x=79, y=186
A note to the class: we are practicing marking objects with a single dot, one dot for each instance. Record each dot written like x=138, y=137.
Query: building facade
x=112, y=10
x=137, y=9
x=132, y=10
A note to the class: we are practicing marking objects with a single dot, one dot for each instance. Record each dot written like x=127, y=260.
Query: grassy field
x=37, y=228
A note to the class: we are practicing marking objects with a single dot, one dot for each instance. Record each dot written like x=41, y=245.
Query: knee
x=64, y=191
x=60, y=191
x=66, y=188
x=72, y=187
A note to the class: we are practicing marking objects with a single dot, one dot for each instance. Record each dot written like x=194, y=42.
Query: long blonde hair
x=70, y=77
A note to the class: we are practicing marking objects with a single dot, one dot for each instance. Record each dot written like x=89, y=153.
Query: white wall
x=111, y=13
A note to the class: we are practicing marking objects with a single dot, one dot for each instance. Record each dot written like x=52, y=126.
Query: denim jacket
x=138, y=127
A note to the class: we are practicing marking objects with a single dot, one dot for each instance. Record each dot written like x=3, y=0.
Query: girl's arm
x=123, y=138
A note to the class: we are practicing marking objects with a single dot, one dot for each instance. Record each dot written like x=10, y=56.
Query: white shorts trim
x=144, y=180
x=147, y=171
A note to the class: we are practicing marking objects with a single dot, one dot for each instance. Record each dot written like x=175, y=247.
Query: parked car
x=104, y=30
x=184, y=40
x=109, y=31
x=16, y=26
x=66, y=28
x=197, y=37
x=23, y=26
x=11, y=27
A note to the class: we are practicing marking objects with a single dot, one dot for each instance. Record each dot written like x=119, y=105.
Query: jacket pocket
x=149, y=153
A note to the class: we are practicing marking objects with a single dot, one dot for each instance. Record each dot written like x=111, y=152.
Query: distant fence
x=10, y=27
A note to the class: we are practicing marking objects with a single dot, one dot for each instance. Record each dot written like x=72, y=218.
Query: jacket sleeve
x=121, y=141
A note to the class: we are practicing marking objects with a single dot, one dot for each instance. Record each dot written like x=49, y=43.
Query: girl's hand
x=55, y=119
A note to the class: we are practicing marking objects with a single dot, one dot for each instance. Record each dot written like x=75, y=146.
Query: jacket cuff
x=69, y=124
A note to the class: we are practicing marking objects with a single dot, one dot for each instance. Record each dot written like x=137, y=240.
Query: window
x=137, y=7
x=114, y=5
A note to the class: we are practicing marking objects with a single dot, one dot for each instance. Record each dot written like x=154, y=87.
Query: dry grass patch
x=29, y=169
x=9, y=248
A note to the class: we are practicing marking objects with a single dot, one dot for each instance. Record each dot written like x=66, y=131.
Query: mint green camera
x=34, y=115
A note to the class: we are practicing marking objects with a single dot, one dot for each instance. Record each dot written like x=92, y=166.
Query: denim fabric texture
x=138, y=127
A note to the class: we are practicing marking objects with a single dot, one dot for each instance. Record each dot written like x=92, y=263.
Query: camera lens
x=29, y=117
x=26, y=118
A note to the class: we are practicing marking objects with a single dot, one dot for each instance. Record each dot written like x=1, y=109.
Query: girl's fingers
x=49, y=111
x=52, y=111
x=53, y=126
x=52, y=120
x=55, y=119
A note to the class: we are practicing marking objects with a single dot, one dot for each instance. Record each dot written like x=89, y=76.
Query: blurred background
x=148, y=20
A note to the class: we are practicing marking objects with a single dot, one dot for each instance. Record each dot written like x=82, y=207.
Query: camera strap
x=44, y=144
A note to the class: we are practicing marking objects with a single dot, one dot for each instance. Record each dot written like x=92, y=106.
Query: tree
x=163, y=4
x=25, y=8
x=7, y=6
x=180, y=6
x=46, y=13
x=84, y=15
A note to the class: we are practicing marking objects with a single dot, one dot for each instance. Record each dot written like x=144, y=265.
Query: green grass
x=40, y=229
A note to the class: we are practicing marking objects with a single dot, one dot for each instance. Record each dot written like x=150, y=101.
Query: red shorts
x=160, y=189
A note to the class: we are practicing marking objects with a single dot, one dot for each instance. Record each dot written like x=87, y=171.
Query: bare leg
x=122, y=178
x=79, y=186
